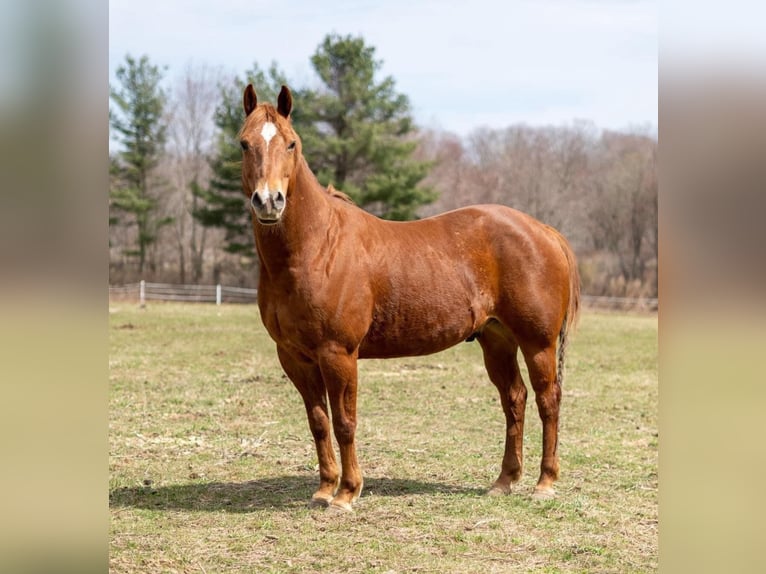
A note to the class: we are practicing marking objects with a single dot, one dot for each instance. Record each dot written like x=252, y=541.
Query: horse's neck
x=302, y=231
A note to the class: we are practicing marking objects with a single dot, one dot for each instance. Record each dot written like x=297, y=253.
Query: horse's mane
x=339, y=194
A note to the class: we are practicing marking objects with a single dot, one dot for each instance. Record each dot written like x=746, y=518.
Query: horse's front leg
x=307, y=378
x=339, y=372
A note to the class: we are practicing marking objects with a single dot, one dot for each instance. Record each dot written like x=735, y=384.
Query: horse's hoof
x=498, y=490
x=337, y=507
x=546, y=493
x=319, y=502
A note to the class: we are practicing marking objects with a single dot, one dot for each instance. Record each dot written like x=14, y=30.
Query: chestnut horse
x=338, y=284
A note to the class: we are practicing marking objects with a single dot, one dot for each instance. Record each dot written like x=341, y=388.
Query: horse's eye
x=291, y=147
x=245, y=146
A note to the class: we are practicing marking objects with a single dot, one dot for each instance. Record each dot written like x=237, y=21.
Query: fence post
x=218, y=294
x=142, y=293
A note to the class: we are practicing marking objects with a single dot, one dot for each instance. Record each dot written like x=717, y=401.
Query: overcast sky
x=463, y=63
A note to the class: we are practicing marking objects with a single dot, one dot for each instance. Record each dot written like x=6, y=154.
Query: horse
x=338, y=284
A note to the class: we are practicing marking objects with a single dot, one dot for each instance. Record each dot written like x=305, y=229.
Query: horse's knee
x=319, y=423
x=345, y=429
x=320, y=433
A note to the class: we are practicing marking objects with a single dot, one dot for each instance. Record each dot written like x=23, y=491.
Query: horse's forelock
x=269, y=112
x=262, y=113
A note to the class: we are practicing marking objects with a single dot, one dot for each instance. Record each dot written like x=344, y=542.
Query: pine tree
x=358, y=133
x=138, y=127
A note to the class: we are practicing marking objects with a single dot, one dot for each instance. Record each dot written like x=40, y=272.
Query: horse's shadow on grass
x=275, y=493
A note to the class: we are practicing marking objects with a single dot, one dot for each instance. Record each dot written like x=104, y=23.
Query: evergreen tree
x=358, y=132
x=223, y=204
x=137, y=125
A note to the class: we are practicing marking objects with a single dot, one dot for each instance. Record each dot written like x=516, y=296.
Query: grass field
x=211, y=462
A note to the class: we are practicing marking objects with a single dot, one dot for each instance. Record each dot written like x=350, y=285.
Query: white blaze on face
x=268, y=131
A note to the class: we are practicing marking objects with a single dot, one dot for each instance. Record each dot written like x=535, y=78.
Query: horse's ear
x=250, y=100
x=285, y=102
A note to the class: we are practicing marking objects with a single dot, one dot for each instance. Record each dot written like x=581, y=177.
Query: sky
x=464, y=64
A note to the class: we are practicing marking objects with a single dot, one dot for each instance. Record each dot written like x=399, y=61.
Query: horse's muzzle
x=268, y=206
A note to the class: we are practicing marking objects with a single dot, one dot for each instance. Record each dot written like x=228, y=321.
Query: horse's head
x=270, y=151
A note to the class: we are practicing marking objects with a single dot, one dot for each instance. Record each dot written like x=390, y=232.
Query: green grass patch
x=212, y=463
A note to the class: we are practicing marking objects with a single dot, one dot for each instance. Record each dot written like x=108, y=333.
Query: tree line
x=177, y=212
x=598, y=187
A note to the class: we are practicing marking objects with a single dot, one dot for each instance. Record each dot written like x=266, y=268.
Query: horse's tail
x=573, y=309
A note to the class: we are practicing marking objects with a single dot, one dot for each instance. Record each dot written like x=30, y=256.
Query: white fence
x=145, y=291
x=620, y=303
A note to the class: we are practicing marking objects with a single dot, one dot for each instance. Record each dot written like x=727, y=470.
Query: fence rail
x=145, y=291
x=621, y=303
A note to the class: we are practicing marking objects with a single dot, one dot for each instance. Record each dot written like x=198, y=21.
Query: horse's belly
x=418, y=332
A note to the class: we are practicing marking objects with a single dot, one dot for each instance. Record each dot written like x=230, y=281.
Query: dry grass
x=211, y=461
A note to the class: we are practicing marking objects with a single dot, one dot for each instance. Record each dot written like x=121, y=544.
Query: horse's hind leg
x=541, y=363
x=308, y=380
x=502, y=366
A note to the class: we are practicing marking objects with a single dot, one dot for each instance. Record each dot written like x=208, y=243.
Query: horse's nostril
x=279, y=200
x=256, y=200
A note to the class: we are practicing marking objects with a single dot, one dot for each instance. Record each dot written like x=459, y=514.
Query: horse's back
x=521, y=244
x=440, y=279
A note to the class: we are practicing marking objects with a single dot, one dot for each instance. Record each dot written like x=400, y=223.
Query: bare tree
x=541, y=171
x=452, y=175
x=600, y=189
x=624, y=204
x=190, y=138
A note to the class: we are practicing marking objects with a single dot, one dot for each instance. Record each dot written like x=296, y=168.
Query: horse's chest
x=291, y=321
x=282, y=317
